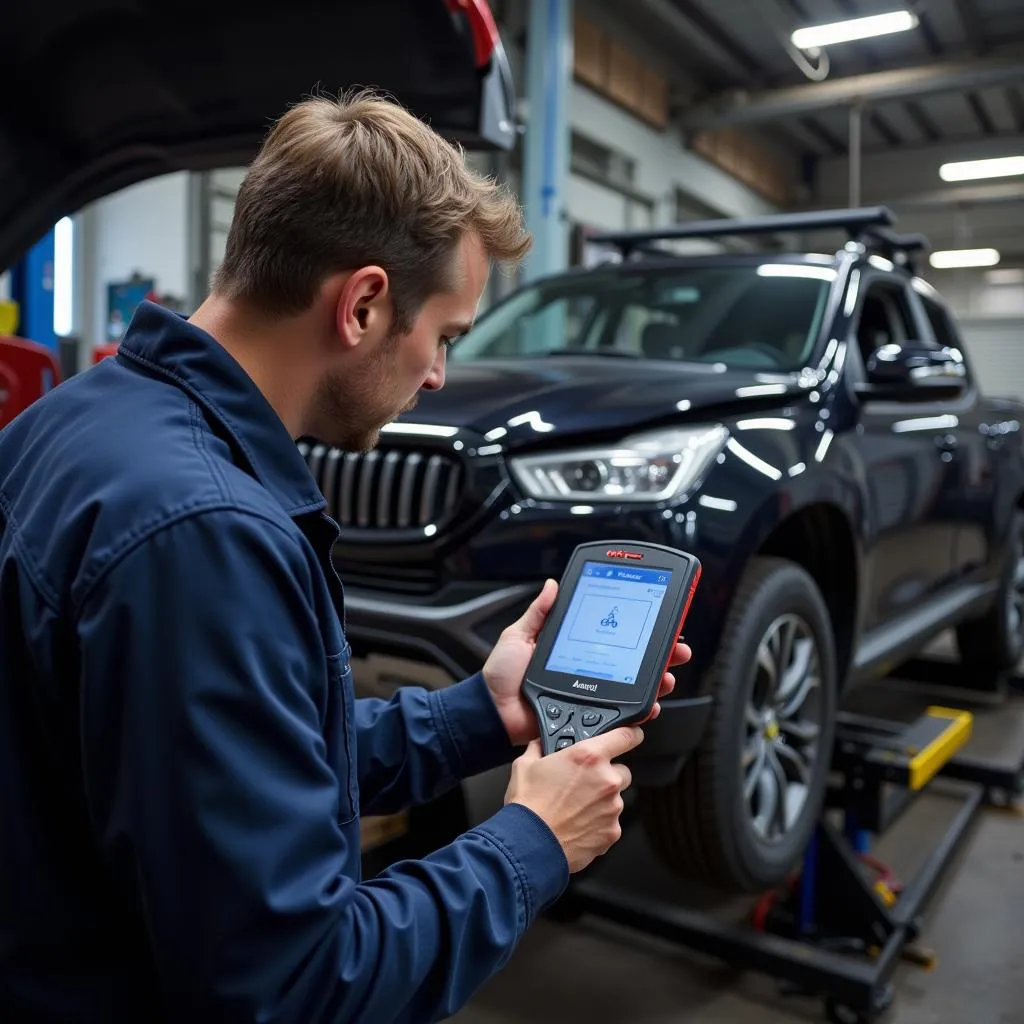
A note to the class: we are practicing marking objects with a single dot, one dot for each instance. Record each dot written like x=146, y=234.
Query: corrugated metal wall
x=995, y=347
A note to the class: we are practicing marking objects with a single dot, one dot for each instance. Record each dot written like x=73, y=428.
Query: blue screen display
x=609, y=622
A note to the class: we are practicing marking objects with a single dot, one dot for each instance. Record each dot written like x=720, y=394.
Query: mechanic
x=183, y=763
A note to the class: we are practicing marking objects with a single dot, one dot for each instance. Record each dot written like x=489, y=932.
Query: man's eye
x=447, y=342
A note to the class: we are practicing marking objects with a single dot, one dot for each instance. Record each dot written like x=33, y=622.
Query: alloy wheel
x=783, y=726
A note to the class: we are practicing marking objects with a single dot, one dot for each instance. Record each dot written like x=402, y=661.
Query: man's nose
x=435, y=379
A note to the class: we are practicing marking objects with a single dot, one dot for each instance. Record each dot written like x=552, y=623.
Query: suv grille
x=386, y=489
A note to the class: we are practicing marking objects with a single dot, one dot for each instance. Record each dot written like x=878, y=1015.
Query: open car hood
x=102, y=94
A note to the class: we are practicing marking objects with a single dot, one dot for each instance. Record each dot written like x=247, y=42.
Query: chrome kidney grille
x=385, y=489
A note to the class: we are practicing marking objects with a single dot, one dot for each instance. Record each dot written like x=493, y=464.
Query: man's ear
x=364, y=306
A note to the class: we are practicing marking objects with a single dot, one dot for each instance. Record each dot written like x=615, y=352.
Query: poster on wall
x=123, y=297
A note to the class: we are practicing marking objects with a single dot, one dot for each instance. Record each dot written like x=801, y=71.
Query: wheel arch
x=820, y=538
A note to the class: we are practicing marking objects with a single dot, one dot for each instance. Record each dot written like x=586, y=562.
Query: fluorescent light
x=970, y=170
x=949, y=259
x=63, y=277
x=853, y=28
x=796, y=270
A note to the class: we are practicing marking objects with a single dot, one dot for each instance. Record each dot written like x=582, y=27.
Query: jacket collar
x=168, y=345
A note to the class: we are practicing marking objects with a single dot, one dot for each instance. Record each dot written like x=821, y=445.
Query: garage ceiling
x=950, y=89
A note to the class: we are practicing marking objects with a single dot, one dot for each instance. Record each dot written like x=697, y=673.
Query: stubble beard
x=353, y=408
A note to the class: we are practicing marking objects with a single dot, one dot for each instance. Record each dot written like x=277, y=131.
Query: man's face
x=382, y=382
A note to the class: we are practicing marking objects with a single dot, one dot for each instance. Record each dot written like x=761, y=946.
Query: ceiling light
x=949, y=259
x=854, y=28
x=969, y=170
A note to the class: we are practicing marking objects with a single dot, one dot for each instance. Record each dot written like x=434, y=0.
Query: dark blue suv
x=808, y=425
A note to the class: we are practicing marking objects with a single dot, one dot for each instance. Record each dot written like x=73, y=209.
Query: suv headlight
x=651, y=467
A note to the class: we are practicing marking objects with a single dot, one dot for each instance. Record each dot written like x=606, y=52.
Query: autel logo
x=624, y=554
x=585, y=686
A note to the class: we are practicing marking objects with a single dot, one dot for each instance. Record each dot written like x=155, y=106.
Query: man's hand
x=505, y=668
x=577, y=792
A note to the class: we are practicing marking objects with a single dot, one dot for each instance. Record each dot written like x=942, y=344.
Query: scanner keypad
x=570, y=722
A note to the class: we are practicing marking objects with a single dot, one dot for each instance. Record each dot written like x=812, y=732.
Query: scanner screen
x=609, y=622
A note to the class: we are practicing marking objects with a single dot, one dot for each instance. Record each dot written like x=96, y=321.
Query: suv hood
x=102, y=94
x=525, y=402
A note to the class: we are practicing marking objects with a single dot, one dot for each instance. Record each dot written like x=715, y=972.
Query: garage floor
x=975, y=923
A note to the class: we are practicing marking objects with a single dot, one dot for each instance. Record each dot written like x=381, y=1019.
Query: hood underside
x=102, y=94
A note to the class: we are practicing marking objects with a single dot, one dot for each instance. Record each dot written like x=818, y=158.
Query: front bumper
x=456, y=637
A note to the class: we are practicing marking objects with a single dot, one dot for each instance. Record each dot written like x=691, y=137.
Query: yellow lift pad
x=916, y=755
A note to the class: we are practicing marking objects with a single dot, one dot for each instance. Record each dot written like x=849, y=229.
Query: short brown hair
x=357, y=180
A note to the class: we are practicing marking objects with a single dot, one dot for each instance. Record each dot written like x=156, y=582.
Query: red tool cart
x=27, y=371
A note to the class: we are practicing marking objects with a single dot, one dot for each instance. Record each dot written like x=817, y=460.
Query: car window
x=942, y=326
x=885, y=318
x=532, y=327
x=757, y=316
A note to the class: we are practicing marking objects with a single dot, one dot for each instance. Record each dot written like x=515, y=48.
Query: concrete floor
x=593, y=970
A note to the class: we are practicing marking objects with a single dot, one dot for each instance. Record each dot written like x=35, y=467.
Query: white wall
x=991, y=319
x=603, y=208
x=995, y=347
x=662, y=163
x=971, y=295
x=142, y=228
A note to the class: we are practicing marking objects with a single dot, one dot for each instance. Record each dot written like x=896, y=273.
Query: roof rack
x=901, y=249
x=862, y=224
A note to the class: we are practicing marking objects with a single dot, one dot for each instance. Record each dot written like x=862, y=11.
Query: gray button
x=563, y=742
x=556, y=725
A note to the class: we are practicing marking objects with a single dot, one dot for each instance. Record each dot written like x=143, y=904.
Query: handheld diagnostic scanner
x=607, y=642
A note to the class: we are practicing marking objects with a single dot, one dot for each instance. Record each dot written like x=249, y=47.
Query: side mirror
x=913, y=372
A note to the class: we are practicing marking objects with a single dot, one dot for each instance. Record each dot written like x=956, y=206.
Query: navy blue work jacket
x=183, y=763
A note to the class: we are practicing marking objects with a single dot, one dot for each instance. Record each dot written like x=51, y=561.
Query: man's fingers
x=531, y=621
x=668, y=684
x=681, y=655
x=532, y=751
x=655, y=711
x=618, y=741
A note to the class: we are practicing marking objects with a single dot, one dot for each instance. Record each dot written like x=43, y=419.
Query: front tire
x=745, y=806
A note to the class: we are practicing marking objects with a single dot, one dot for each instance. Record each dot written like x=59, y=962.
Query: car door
x=907, y=466
x=978, y=435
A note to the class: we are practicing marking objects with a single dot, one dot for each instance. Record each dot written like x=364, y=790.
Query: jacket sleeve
x=422, y=742
x=214, y=801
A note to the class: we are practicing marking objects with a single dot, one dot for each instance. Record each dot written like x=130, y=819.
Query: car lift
x=841, y=927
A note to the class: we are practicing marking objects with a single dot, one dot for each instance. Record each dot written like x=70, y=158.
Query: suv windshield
x=761, y=316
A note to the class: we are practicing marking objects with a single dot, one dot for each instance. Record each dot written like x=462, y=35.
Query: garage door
x=996, y=350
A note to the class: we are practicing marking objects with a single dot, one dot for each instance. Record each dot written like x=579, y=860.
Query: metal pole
x=549, y=57
x=855, y=154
